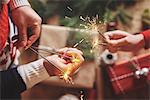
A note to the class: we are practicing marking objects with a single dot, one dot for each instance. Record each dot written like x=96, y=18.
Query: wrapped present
x=130, y=75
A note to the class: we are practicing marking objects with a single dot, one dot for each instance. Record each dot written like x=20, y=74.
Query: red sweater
x=146, y=38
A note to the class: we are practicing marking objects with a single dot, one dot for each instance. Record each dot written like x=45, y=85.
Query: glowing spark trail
x=64, y=74
x=94, y=25
x=69, y=8
x=81, y=96
x=78, y=43
x=67, y=17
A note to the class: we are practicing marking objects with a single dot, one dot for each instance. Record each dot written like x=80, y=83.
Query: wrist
x=141, y=40
x=146, y=35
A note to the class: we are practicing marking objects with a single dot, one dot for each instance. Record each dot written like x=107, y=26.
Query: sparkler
x=81, y=96
x=43, y=57
x=78, y=43
x=67, y=17
x=65, y=74
x=69, y=8
x=94, y=25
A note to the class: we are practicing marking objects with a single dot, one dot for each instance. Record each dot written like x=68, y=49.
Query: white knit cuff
x=18, y=3
x=33, y=73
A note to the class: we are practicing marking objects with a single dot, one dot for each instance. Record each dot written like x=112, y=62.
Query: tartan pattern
x=123, y=77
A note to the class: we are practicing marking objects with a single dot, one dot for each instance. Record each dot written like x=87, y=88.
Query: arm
x=17, y=80
x=124, y=41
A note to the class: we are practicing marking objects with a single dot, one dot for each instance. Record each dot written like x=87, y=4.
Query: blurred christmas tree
x=70, y=10
x=109, y=11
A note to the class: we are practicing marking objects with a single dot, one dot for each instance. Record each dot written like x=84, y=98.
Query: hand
x=24, y=18
x=59, y=63
x=120, y=40
x=66, y=49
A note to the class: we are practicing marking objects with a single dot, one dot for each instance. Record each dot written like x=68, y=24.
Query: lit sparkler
x=69, y=57
x=78, y=43
x=81, y=95
x=67, y=17
x=69, y=8
x=95, y=25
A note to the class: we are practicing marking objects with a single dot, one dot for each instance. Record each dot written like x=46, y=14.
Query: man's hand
x=24, y=18
x=60, y=63
x=120, y=40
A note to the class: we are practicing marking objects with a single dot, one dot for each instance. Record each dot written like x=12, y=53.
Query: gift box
x=130, y=75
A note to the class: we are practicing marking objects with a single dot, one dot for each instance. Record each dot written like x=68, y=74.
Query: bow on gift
x=139, y=71
x=130, y=75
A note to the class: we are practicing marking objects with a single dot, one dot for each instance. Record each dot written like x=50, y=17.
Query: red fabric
x=4, y=26
x=147, y=38
x=123, y=77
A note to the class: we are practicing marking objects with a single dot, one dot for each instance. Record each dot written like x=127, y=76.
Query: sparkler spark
x=66, y=78
x=69, y=8
x=91, y=23
x=95, y=25
x=67, y=17
x=81, y=95
x=78, y=43
x=64, y=74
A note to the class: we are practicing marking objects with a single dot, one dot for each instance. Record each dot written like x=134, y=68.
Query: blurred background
x=62, y=26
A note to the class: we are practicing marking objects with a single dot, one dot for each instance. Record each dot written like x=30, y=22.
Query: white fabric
x=33, y=73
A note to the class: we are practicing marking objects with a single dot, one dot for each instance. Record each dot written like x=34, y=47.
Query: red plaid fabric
x=123, y=77
x=4, y=26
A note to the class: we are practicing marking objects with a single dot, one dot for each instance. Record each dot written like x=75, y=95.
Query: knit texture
x=33, y=73
x=18, y=3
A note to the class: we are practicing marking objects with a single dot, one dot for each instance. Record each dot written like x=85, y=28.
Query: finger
x=22, y=37
x=75, y=50
x=66, y=49
x=119, y=42
x=51, y=69
x=36, y=30
x=77, y=55
x=81, y=58
x=118, y=32
x=115, y=34
x=56, y=57
x=58, y=62
x=62, y=50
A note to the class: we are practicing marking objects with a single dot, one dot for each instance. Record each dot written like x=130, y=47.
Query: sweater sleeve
x=18, y=3
x=146, y=38
x=33, y=73
x=11, y=83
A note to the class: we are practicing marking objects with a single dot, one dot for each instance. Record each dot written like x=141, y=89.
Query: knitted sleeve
x=33, y=73
x=18, y=3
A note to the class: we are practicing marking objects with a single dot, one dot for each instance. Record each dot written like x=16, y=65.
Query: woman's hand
x=123, y=41
x=67, y=61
